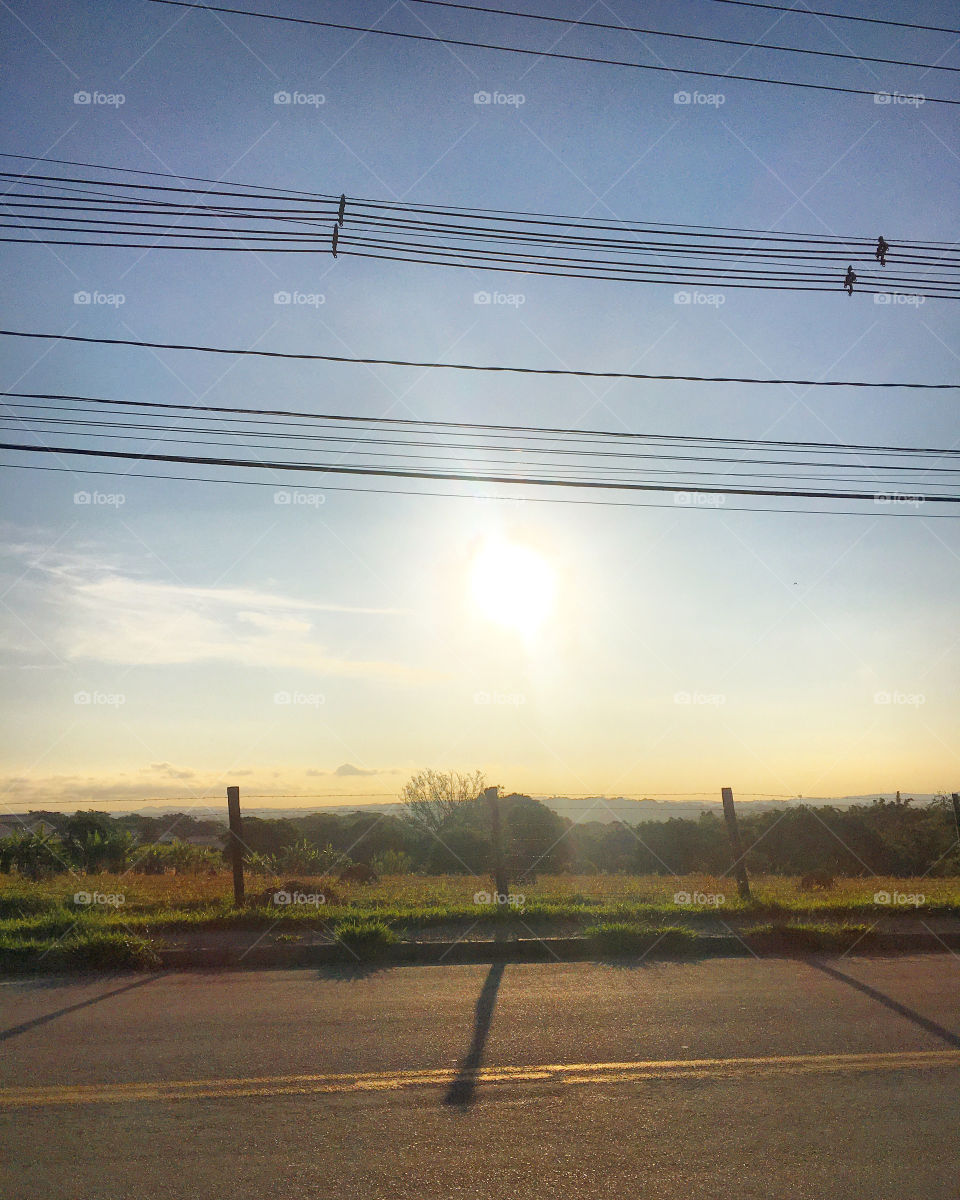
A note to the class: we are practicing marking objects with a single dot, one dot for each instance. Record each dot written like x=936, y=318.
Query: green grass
x=81, y=950
x=159, y=905
x=616, y=938
x=365, y=938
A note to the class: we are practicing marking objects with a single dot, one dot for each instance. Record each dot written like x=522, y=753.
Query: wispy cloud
x=167, y=783
x=92, y=612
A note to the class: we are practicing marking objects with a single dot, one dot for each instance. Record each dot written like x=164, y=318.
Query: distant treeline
x=897, y=837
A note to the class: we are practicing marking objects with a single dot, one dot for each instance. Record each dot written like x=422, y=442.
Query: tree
x=535, y=838
x=430, y=797
x=95, y=842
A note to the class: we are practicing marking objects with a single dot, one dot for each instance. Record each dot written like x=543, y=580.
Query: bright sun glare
x=512, y=585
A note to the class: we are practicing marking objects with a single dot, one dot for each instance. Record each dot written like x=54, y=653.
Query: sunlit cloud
x=109, y=615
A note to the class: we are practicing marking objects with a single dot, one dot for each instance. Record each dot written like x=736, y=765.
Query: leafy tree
x=393, y=862
x=303, y=858
x=460, y=850
x=35, y=855
x=94, y=842
x=265, y=835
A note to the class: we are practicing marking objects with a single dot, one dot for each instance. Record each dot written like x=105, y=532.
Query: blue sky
x=185, y=610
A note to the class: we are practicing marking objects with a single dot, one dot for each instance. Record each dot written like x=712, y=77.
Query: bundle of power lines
x=563, y=29
x=86, y=205
x=276, y=446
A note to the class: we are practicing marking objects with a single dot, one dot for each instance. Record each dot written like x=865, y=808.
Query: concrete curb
x=559, y=949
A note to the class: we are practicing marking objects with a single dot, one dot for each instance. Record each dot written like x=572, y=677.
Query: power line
x=474, y=227
x=300, y=487
x=492, y=214
x=915, y=288
x=553, y=54
x=772, y=261
x=813, y=12
x=471, y=221
x=466, y=476
x=540, y=431
x=528, y=244
x=732, y=466
x=397, y=362
x=579, y=22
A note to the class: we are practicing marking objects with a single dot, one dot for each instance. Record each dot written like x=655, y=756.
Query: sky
x=167, y=639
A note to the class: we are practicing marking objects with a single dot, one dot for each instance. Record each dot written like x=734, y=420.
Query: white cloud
x=187, y=787
x=108, y=616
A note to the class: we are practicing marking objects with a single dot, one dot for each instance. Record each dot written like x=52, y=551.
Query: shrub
x=365, y=937
x=392, y=862
x=620, y=937
x=97, y=951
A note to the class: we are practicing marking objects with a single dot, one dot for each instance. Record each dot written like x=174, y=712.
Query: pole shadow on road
x=14, y=1030
x=901, y=1010
x=462, y=1092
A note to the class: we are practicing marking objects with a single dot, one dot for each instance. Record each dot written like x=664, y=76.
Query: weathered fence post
x=733, y=830
x=956, y=812
x=499, y=871
x=236, y=843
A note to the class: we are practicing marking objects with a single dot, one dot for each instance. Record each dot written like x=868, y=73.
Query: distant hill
x=605, y=809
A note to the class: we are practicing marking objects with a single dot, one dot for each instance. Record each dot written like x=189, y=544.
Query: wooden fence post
x=499, y=871
x=956, y=812
x=733, y=830
x=236, y=843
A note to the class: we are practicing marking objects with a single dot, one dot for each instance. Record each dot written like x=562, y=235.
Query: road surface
x=759, y=1080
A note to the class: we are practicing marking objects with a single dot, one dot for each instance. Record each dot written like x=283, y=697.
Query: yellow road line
x=390, y=1081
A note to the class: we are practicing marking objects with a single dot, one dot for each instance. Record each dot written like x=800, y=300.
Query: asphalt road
x=772, y=1079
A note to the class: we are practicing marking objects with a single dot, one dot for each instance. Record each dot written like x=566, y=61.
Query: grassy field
x=131, y=914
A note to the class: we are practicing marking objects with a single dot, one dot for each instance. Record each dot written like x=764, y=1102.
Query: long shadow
x=26, y=1026
x=901, y=1010
x=462, y=1091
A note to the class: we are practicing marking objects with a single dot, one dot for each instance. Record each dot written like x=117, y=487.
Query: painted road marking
x=391, y=1081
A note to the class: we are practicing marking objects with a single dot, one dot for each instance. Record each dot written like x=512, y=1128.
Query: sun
x=512, y=585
